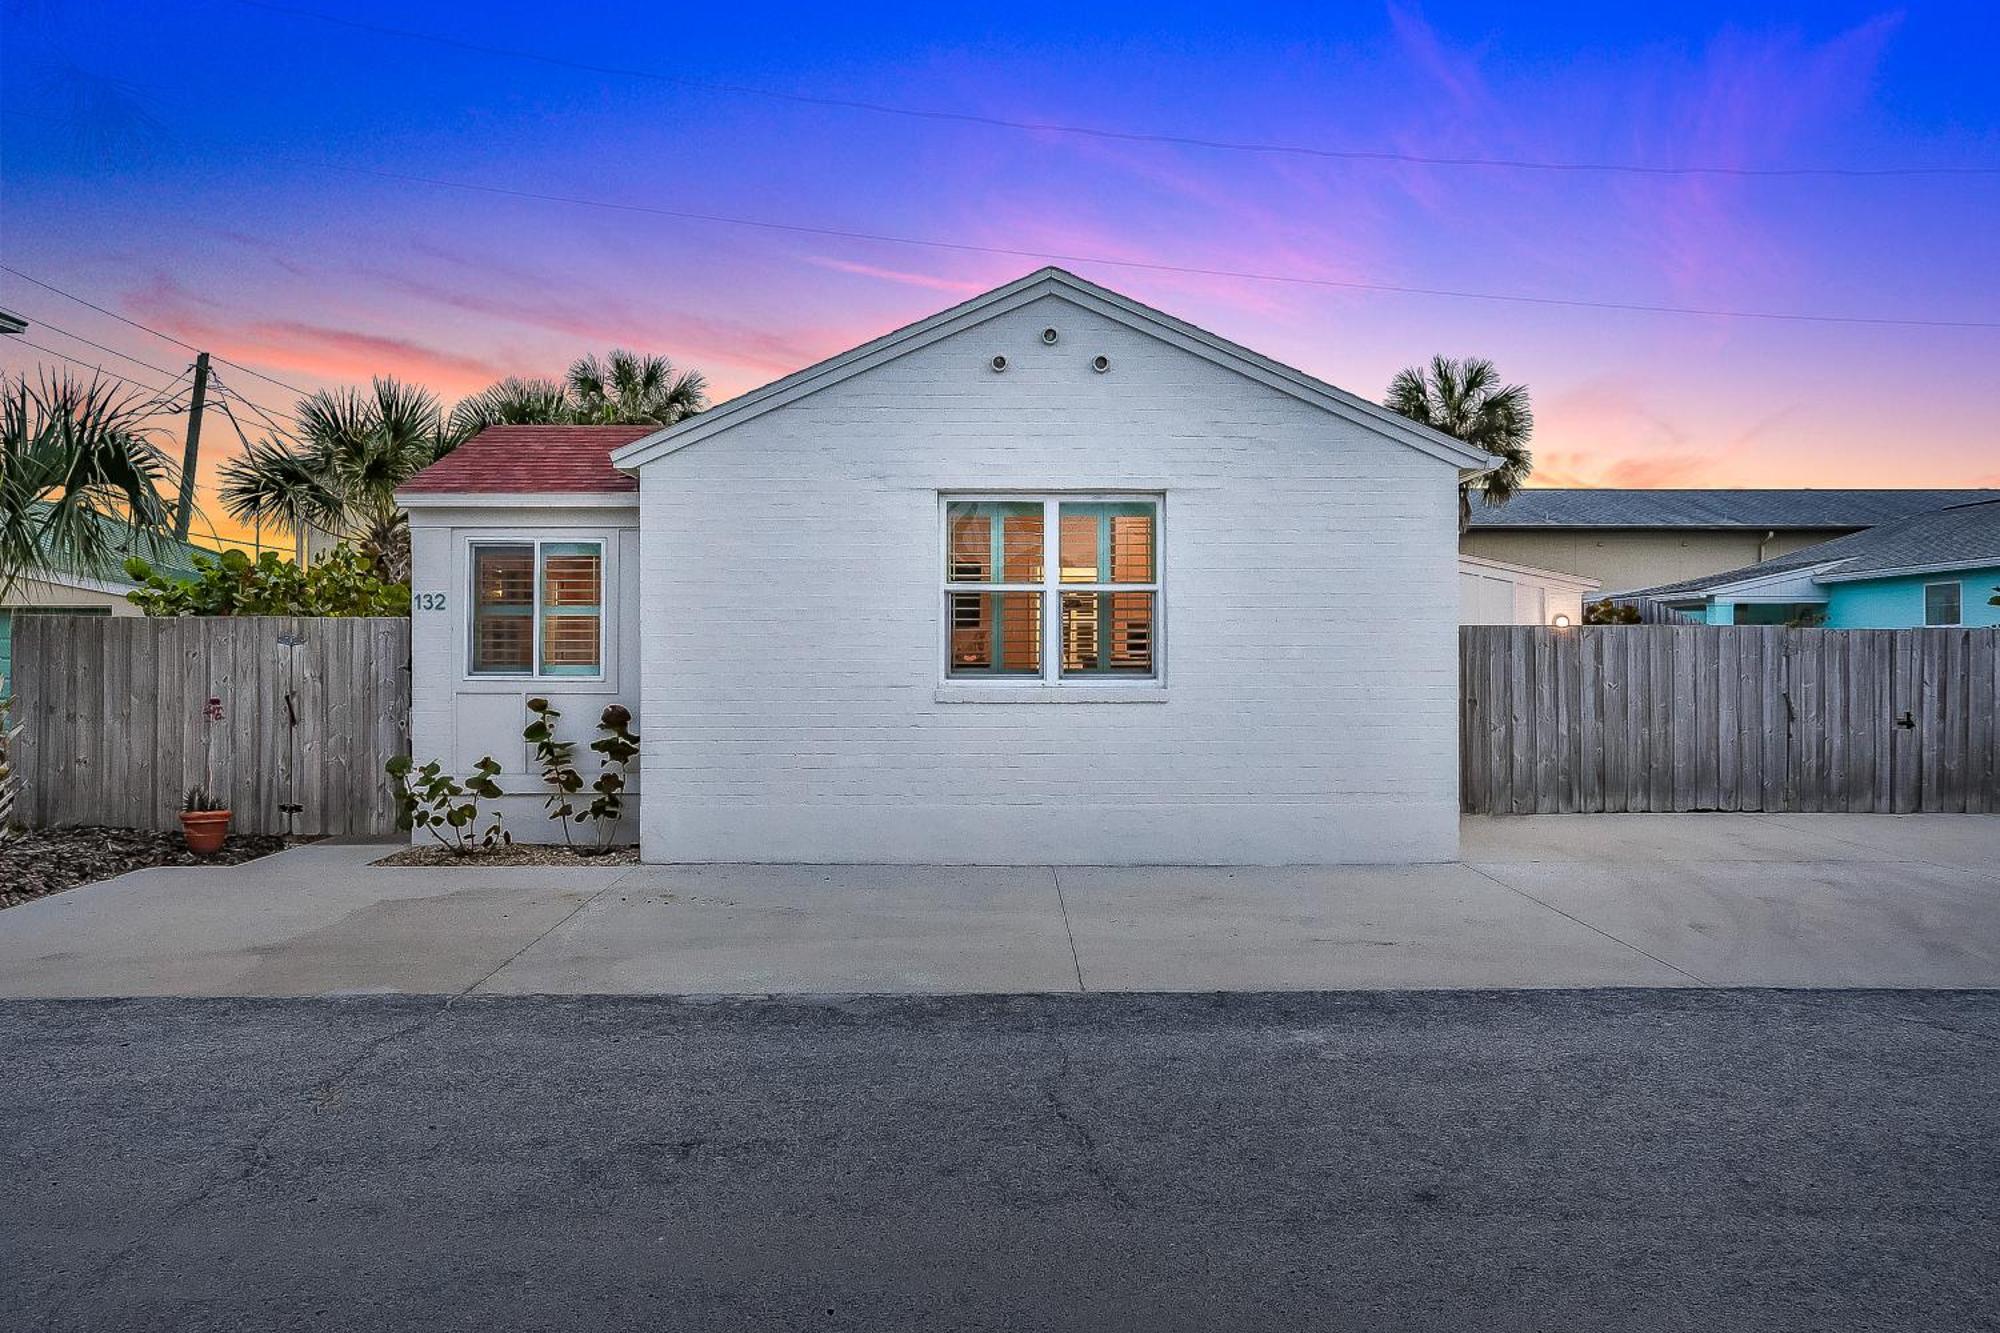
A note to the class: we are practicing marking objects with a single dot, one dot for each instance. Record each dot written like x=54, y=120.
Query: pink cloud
x=925, y=280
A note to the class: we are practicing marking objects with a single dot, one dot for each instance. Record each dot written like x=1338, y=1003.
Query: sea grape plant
x=618, y=745
x=433, y=800
x=555, y=760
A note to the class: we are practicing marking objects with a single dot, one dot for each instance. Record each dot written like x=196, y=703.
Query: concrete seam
x=1585, y=924
x=505, y=962
x=1070, y=934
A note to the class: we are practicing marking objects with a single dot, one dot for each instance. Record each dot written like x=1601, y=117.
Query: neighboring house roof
x=1761, y=510
x=167, y=555
x=1046, y=282
x=557, y=460
x=1961, y=537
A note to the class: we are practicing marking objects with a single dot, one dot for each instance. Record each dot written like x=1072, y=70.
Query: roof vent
x=1100, y=364
x=999, y=364
x=1050, y=335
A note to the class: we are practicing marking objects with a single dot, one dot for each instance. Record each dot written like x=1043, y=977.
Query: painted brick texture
x=791, y=608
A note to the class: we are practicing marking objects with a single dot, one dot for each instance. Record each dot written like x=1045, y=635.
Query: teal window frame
x=536, y=611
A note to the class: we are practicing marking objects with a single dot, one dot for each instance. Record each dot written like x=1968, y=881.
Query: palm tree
x=634, y=388
x=77, y=470
x=1465, y=399
x=512, y=402
x=341, y=476
x=624, y=389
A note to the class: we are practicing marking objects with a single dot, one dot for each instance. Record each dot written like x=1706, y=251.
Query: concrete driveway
x=1555, y=901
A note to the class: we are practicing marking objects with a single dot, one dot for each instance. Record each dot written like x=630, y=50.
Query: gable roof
x=1839, y=510
x=1961, y=537
x=560, y=460
x=1104, y=301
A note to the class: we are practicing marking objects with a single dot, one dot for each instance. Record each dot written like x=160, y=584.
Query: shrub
x=556, y=761
x=620, y=746
x=433, y=800
x=232, y=584
x=617, y=746
x=1608, y=612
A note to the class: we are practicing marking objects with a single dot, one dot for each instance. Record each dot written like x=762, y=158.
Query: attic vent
x=999, y=364
x=1100, y=364
x=1049, y=335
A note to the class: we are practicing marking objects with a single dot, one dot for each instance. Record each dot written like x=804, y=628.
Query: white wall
x=457, y=717
x=792, y=607
x=1492, y=593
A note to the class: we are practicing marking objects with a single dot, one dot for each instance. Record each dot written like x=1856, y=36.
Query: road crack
x=1094, y=1164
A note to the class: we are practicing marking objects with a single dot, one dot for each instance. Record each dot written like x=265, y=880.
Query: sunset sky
x=235, y=175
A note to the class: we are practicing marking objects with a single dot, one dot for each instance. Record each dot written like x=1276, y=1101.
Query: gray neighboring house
x=1630, y=539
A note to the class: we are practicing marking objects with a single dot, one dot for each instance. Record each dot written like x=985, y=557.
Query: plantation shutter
x=503, y=609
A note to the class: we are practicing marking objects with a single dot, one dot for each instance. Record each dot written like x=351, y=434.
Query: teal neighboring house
x=1938, y=569
x=97, y=592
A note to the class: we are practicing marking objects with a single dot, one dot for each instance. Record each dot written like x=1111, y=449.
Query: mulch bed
x=514, y=854
x=39, y=862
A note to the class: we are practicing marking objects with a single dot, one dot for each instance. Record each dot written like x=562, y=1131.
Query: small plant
x=556, y=761
x=204, y=820
x=619, y=746
x=433, y=800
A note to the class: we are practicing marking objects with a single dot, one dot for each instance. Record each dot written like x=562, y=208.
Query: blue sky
x=215, y=170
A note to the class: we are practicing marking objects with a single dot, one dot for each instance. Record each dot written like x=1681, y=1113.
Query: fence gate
x=1663, y=717
x=288, y=719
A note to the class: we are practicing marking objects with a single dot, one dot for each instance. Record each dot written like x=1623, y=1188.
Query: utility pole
x=192, y=455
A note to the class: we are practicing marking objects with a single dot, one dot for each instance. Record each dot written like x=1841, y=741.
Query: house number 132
x=430, y=601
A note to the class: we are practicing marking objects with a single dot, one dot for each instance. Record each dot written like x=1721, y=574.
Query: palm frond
x=79, y=476
x=1465, y=399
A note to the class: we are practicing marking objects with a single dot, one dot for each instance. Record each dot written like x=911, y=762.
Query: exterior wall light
x=1561, y=621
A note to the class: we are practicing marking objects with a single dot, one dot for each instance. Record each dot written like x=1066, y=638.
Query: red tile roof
x=514, y=460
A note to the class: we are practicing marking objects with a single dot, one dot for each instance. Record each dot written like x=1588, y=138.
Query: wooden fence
x=290, y=720
x=10, y=778
x=1661, y=717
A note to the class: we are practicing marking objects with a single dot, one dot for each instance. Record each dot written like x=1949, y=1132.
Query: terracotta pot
x=205, y=830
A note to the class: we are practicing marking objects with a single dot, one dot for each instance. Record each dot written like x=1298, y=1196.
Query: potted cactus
x=204, y=821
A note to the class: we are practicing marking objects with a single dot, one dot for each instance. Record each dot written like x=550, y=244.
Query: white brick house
x=1047, y=577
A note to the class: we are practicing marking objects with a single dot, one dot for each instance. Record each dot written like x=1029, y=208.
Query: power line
x=1248, y=275
x=51, y=287
x=43, y=323
x=163, y=392
x=267, y=414
x=1121, y=136
x=965, y=247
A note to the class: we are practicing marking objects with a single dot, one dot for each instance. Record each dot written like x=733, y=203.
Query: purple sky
x=214, y=170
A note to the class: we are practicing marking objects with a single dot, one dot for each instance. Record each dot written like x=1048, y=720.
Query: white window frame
x=535, y=672
x=1051, y=589
x=1957, y=585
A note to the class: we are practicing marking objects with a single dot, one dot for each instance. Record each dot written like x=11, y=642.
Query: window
x=1941, y=603
x=538, y=608
x=1078, y=574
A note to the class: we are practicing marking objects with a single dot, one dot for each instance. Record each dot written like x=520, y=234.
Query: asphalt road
x=1491, y=1161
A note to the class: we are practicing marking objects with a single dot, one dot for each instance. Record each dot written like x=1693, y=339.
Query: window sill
x=1051, y=694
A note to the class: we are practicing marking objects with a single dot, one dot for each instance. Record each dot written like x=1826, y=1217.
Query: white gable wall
x=791, y=620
